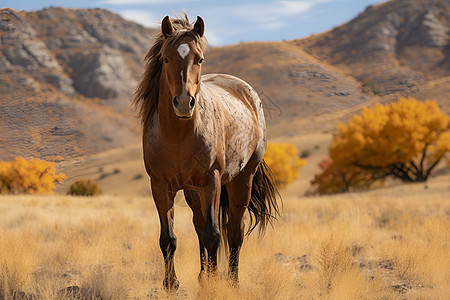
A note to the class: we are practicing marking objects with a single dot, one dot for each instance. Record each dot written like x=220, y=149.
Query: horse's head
x=182, y=56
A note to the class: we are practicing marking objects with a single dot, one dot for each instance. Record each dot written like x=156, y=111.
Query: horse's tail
x=263, y=207
x=224, y=206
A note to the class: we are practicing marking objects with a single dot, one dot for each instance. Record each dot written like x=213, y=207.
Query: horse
x=205, y=135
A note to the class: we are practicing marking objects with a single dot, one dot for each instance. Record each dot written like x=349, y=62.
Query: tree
x=33, y=176
x=341, y=179
x=406, y=139
x=284, y=162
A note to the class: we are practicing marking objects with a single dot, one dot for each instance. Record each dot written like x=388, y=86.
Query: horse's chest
x=180, y=161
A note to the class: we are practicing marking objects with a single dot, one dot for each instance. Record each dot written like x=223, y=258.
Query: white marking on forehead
x=183, y=50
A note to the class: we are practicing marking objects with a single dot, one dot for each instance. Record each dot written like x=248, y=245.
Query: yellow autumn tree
x=406, y=139
x=284, y=162
x=340, y=179
x=33, y=176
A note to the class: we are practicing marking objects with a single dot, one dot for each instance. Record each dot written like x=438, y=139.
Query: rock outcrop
x=25, y=58
x=66, y=77
x=391, y=47
x=92, y=52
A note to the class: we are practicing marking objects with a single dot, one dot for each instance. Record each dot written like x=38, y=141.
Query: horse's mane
x=146, y=95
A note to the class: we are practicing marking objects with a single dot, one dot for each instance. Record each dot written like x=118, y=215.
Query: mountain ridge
x=67, y=75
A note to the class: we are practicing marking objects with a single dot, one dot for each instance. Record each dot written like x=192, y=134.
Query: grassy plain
x=362, y=245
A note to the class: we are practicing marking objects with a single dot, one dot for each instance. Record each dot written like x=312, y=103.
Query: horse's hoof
x=171, y=285
x=202, y=277
x=234, y=283
x=233, y=280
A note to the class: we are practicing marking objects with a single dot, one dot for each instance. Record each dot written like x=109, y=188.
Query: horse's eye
x=166, y=60
x=200, y=61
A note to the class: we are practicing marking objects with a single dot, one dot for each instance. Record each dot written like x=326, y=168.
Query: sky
x=227, y=22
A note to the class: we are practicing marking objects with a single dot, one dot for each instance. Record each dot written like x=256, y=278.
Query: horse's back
x=236, y=87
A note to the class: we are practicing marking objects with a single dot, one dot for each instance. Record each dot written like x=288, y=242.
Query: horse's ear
x=199, y=26
x=166, y=27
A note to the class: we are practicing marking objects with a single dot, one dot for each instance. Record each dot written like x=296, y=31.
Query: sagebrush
x=84, y=187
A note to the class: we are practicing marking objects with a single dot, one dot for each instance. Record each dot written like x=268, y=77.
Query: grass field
x=341, y=247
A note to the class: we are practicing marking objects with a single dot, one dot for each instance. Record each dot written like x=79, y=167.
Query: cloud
x=293, y=7
x=129, y=2
x=243, y=21
x=213, y=37
x=274, y=25
x=142, y=17
x=275, y=12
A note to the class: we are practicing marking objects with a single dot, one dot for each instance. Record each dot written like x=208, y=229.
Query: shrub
x=33, y=176
x=84, y=188
x=284, y=162
x=335, y=179
x=305, y=154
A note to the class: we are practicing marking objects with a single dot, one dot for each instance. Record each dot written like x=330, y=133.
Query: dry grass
x=343, y=247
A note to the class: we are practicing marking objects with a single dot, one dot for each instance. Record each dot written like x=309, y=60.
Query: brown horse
x=205, y=135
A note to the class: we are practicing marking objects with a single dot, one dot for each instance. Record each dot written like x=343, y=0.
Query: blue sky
x=227, y=22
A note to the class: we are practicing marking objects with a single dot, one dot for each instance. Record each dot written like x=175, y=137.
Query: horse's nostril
x=192, y=102
x=175, y=101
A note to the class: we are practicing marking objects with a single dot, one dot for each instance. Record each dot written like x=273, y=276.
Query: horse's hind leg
x=239, y=192
x=167, y=240
x=193, y=200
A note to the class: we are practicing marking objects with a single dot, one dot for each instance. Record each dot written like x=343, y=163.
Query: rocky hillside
x=400, y=47
x=396, y=46
x=66, y=75
x=93, y=53
x=292, y=84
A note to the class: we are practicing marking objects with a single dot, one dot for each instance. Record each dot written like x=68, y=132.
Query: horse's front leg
x=167, y=239
x=193, y=200
x=210, y=198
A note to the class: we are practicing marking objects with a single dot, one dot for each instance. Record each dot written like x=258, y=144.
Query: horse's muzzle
x=183, y=106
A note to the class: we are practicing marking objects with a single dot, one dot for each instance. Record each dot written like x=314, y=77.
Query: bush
x=284, y=162
x=335, y=179
x=84, y=188
x=33, y=176
x=305, y=154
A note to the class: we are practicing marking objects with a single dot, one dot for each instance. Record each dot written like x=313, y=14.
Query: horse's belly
x=241, y=142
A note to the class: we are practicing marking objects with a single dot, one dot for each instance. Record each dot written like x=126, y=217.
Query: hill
x=293, y=85
x=66, y=75
x=396, y=46
x=399, y=47
x=65, y=79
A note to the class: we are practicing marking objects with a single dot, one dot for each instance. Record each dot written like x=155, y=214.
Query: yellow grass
x=357, y=246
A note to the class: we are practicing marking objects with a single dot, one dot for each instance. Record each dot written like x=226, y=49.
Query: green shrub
x=84, y=188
